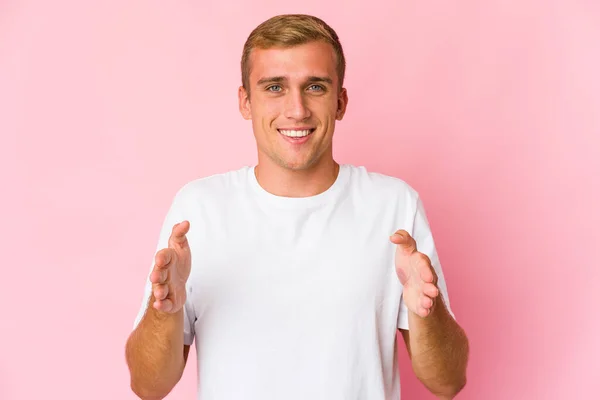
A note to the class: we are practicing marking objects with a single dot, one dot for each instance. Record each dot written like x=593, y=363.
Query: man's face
x=293, y=104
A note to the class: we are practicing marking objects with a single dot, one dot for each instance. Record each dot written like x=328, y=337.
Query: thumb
x=178, y=233
x=404, y=241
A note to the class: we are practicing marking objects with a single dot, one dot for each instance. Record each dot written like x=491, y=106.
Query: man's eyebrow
x=279, y=79
x=271, y=79
x=323, y=79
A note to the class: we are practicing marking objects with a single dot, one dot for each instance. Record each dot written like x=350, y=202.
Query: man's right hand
x=171, y=270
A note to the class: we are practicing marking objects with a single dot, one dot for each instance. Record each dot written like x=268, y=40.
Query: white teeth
x=295, y=133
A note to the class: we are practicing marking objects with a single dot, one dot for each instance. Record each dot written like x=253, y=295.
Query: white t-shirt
x=296, y=298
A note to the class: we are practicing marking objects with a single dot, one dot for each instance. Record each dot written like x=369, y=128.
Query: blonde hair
x=290, y=30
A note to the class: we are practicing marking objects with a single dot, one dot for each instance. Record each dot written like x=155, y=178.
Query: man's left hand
x=416, y=275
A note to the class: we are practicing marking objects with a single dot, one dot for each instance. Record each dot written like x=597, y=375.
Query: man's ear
x=342, y=104
x=244, y=103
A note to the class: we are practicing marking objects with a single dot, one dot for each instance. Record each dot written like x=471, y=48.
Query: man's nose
x=295, y=106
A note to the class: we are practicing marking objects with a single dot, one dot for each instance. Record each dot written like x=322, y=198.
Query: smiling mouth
x=296, y=133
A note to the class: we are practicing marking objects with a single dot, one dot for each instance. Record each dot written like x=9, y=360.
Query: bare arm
x=439, y=350
x=438, y=346
x=155, y=353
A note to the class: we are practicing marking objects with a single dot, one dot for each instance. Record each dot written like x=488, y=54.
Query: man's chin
x=295, y=165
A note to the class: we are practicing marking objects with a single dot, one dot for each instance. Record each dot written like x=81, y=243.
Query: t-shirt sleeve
x=174, y=216
x=421, y=232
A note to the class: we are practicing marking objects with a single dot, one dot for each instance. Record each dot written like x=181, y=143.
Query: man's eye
x=274, y=88
x=316, y=87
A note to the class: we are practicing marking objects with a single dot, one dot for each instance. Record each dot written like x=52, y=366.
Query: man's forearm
x=439, y=351
x=154, y=353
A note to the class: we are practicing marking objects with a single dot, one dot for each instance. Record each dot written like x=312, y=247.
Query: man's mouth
x=296, y=133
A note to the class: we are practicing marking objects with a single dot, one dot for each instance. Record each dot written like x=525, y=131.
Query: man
x=285, y=274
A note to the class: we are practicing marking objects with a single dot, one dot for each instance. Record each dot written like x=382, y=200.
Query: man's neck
x=285, y=182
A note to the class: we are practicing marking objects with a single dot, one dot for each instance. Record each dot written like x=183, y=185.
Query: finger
x=426, y=272
x=163, y=305
x=423, y=312
x=431, y=290
x=160, y=291
x=426, y=302
x=404, y=241
x=178, y=233
x=159, y=275
x=163, y=258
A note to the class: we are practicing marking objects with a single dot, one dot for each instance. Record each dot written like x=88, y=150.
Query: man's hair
x=291, y=30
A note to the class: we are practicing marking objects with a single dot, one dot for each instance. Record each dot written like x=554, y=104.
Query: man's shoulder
x=214, y=185
x=380, y=182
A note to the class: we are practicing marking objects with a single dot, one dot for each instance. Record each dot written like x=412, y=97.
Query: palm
x=179, y=272
x=172, y=270
x=416, y=276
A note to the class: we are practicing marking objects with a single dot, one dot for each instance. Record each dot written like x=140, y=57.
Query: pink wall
x=490, y=109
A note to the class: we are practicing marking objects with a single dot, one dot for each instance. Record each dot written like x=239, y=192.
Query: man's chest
x=298, y=268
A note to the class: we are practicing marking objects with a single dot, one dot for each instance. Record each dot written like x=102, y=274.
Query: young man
x=294, y=275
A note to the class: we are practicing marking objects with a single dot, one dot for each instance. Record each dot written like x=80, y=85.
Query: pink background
x=489, y=109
